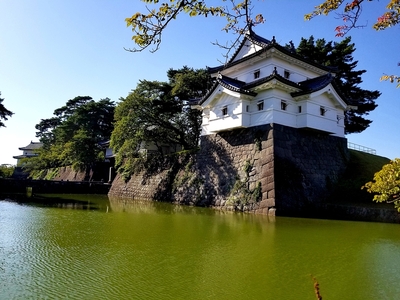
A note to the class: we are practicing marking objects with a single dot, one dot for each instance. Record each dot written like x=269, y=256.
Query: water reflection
x=145, y=206
x=153, y=250
x=66, y=201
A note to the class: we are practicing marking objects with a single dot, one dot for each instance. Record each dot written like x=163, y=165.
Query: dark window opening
x=286, y=74
x=224, y=111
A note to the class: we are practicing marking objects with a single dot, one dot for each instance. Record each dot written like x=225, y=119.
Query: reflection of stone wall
x=52, y=187
x=293, y=171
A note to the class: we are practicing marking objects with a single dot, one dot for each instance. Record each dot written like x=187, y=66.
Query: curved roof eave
x=311, y=85
x=209, y=93
x=230, y=84
x=32, y=146
x=234, y=85
x=329, y=89
x=266, y=45
x=274, y=75
x=252, y=37
x=316, y=84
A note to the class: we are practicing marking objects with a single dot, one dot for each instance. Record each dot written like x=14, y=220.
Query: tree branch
x=148, y=28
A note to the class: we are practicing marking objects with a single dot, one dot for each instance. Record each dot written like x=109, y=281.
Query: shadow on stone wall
x=165, y=188
x=228, y=170
x=308, y=165
x=208, y=176
x=294, y=170
x=290, y=181
x=228, y=165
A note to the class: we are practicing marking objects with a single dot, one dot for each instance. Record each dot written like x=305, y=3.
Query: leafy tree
x=148, y=27
x=6, y=170
x=340, y=55
x=4, y=113
x=72, y=137
x=386, y=184
x=350, y=14
x=157, y=113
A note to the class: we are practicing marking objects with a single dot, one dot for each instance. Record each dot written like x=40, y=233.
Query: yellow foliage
x=386, y=184
x=387, y=19
x=391, y=78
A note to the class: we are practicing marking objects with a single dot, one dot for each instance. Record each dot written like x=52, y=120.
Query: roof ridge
x=266, y=45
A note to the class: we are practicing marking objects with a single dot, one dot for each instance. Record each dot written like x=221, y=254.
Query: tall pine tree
x=73, y=136
x=340, y=55
x=4, y=113
x=157, y=114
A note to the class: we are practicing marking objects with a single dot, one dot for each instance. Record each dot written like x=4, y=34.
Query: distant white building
x=28, y=151
x=265, y=83
x=145, y=148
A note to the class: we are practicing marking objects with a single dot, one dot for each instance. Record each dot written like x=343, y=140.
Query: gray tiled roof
x=314, y=84
x=24, y=156
x=318, y=83
x=32, y=146
x=234, y=85
x=274, y=75
x=305, y=87
x=266, y=45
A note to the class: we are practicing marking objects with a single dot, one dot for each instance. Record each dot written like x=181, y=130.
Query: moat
x=88, y=247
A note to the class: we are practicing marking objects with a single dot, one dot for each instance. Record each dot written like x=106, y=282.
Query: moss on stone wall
x=241, y=195
x=48, y=174
x=256, y=169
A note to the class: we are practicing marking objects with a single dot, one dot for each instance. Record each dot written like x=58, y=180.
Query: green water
x=96, y=249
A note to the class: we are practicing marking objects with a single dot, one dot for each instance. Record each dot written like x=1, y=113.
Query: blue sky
x=53, y=51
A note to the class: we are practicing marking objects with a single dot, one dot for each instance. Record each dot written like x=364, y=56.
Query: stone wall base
x=265, y=169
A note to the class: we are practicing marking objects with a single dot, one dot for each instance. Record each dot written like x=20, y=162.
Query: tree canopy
x=340, y=55
x=6, y=170
x=4, y=112
x=157, y=114
x=386, y=184
x=73, y=136
x=147, y=27
x=350, y=13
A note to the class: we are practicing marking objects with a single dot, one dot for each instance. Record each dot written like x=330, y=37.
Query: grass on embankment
x=360, y=170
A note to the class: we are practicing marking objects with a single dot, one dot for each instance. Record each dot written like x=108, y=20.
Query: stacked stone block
x=296, y=170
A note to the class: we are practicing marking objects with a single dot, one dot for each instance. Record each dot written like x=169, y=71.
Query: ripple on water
x=51, y=253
